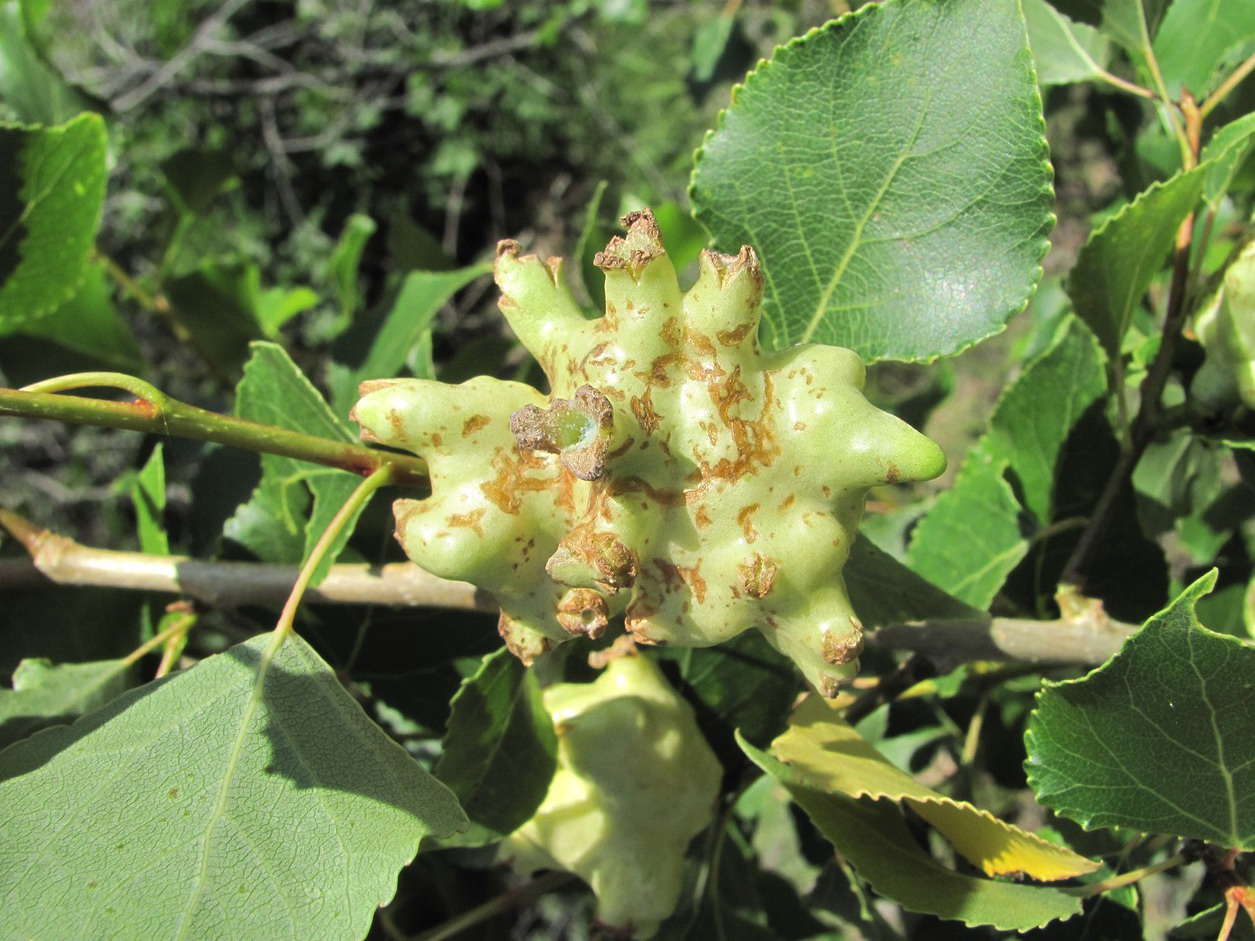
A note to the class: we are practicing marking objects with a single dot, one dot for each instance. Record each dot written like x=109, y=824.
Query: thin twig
x=1084, y=636
x=157, y=413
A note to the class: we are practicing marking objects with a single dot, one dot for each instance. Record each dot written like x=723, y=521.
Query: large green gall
x=676, y=474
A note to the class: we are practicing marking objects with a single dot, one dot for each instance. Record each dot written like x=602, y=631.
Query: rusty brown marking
x=844, y=648
x=583, y=611
x=506, y=490
x=701, y=517
x=526, y=654
x=669, y=573
x=799, y=426
x=646, y=414
x=745, y=519
x=701, y=344
x=437, y=439
x=757, y=576
x=827, y=492
x=693, y=578
x=892, y=474
x=638, y=485
x=787, y=502
x=471, y=520
x=735, y=336
x=473, y=424
x=672, y=334
x=658, y=373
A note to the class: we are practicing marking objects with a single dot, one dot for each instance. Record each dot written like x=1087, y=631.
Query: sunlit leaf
x=1159, y=738
x=889, y=168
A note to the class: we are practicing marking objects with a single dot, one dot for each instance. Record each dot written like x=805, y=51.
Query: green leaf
x=884, y=591
x=45, y=694
x=1125, y=21
x=1030, y=426
x=890, y=168
x=827, y=754
x=276, y=306
x=245, y=798
x=33, y=91
x=148, y=493
x=1194, y=38
x=388, y=343
x=1121, y=259
x=742, y=684
x=217, y=304
x=1063, y=50
x=971, y=539
x=89, y=324
x=273, y=523
x=1224, y=155
x=872, y=837
x=500, y=751
x=1159, y=738
x=196, y=176
x=52, y=187
x=345, y=260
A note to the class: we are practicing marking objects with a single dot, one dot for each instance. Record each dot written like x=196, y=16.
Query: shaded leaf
x=1121, y=259
x=743, y=683
x=1064, y=51
x=1159, y=738
x=971, y=539
x=345, y=260
x=52, y=188
x=89, y=324
x=45, y=694
x=246, y=797
x=500, y=751
x=1195, y=37
x=196, y=176
x=884, y=591
x=387, y=343
x=1224, y=155
x=829, y=755
x=890, y=170
x=872, y=837
x=148, y=494
x=273, y=524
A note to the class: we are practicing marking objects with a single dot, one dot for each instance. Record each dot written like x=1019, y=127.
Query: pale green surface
x=1160, y=738
x=890, y=168
x=209, y=805
x=635, y=783
x=732, y=480
x=873, y=838
x=47, y=232
x=46, y=693
x=1121, y=259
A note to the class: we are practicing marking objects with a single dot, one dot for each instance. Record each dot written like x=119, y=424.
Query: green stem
x=1125, y=878
x=1230, y=83
x=380, y=477
x=157, y=413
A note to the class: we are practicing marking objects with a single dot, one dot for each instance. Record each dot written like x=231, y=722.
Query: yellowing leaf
x=829, y=755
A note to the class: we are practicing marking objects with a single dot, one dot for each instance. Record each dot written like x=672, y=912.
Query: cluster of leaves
x=891, y=170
